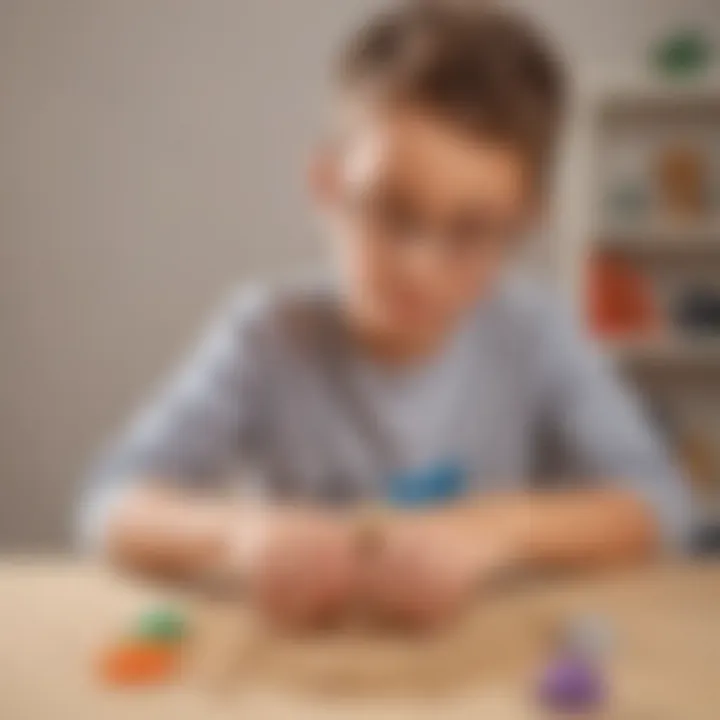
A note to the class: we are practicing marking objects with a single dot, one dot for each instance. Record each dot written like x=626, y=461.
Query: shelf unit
x=678, y=372
x=603, y=102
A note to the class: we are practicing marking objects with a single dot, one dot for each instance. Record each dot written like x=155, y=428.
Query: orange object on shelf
x=135, y=663
x=682, y=182
x=620, y=301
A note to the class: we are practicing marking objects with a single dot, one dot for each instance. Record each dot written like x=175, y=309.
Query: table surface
x=56, y=615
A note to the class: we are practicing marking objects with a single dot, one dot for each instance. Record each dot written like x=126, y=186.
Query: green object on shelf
x=161, y=624
x=683, y=53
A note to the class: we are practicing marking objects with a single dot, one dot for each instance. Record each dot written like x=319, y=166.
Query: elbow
x=636, y=532
x=101, y=525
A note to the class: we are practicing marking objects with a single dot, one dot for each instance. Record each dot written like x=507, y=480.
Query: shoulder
x=292, y=310
x=537, y=335
x=528, y=313
x=553, y=342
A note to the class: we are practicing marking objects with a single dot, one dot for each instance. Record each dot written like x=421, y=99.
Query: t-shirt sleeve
x=198, y=426
x=601, y=430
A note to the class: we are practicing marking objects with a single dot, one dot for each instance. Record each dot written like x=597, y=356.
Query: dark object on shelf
x=699, y=311
x=707, y=540
x=682, y=54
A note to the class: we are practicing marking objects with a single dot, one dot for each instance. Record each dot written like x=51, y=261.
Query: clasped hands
x=311, y=568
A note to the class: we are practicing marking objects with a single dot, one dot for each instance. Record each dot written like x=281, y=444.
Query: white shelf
x=637, y=109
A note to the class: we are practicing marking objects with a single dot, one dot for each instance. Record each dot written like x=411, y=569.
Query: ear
x=324, y=177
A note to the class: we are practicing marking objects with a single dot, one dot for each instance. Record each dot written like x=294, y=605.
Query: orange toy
x=139, y=663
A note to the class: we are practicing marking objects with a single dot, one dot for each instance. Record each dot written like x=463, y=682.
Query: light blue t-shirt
x=517, y=398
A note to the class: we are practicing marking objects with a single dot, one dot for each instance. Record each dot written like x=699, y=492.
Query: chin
x=414, y=325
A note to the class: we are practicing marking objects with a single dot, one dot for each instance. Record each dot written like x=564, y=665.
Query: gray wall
x=151, y=154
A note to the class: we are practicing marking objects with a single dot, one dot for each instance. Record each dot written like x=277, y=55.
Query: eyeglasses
x=468, y=234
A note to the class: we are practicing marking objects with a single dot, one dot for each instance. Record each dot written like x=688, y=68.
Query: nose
x=425, y=256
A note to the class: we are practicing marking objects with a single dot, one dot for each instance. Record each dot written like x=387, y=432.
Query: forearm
x=574, y=529
x=166, y=533
x=591, y=528
x=162, y=532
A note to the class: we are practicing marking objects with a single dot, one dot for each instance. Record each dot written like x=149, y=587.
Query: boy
x=420, y=355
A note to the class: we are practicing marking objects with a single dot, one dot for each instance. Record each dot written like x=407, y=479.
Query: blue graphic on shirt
x=439, y=484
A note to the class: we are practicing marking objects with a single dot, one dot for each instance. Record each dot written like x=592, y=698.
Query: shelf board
x=676, y=103
x=648, y=98
x=623, y=89
x=671, y=351
x=662, y=239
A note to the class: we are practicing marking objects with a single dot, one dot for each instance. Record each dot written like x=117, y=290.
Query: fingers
x=400, y=592
x=305, y=579
x=311, y=574
x=416, y=586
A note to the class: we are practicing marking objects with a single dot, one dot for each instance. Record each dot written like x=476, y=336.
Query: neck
x=388, y=346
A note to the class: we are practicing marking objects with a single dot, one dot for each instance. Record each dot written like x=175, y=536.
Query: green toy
x=683, y=54
x=163, y=624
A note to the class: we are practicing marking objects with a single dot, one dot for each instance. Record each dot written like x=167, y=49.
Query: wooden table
x=54, y=616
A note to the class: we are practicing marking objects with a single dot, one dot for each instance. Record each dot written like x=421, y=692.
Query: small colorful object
x=150, y=654
x=162, y=625
x=571, y=684
x=136, y=663
x=439, y=485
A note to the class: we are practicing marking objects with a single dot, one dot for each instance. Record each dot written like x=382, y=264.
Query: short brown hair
x=487, y=70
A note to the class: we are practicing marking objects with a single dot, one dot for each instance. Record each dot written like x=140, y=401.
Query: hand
x=303, y=570
x=427, y=567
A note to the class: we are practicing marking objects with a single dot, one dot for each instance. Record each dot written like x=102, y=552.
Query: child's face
x=424, y=218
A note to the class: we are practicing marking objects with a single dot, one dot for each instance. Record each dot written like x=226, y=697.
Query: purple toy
x=574, y=681
x=571, y=683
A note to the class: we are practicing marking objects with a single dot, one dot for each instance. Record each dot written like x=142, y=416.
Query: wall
x=151, y=155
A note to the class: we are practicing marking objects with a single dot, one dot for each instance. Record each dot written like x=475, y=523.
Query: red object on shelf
x=620, y=300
